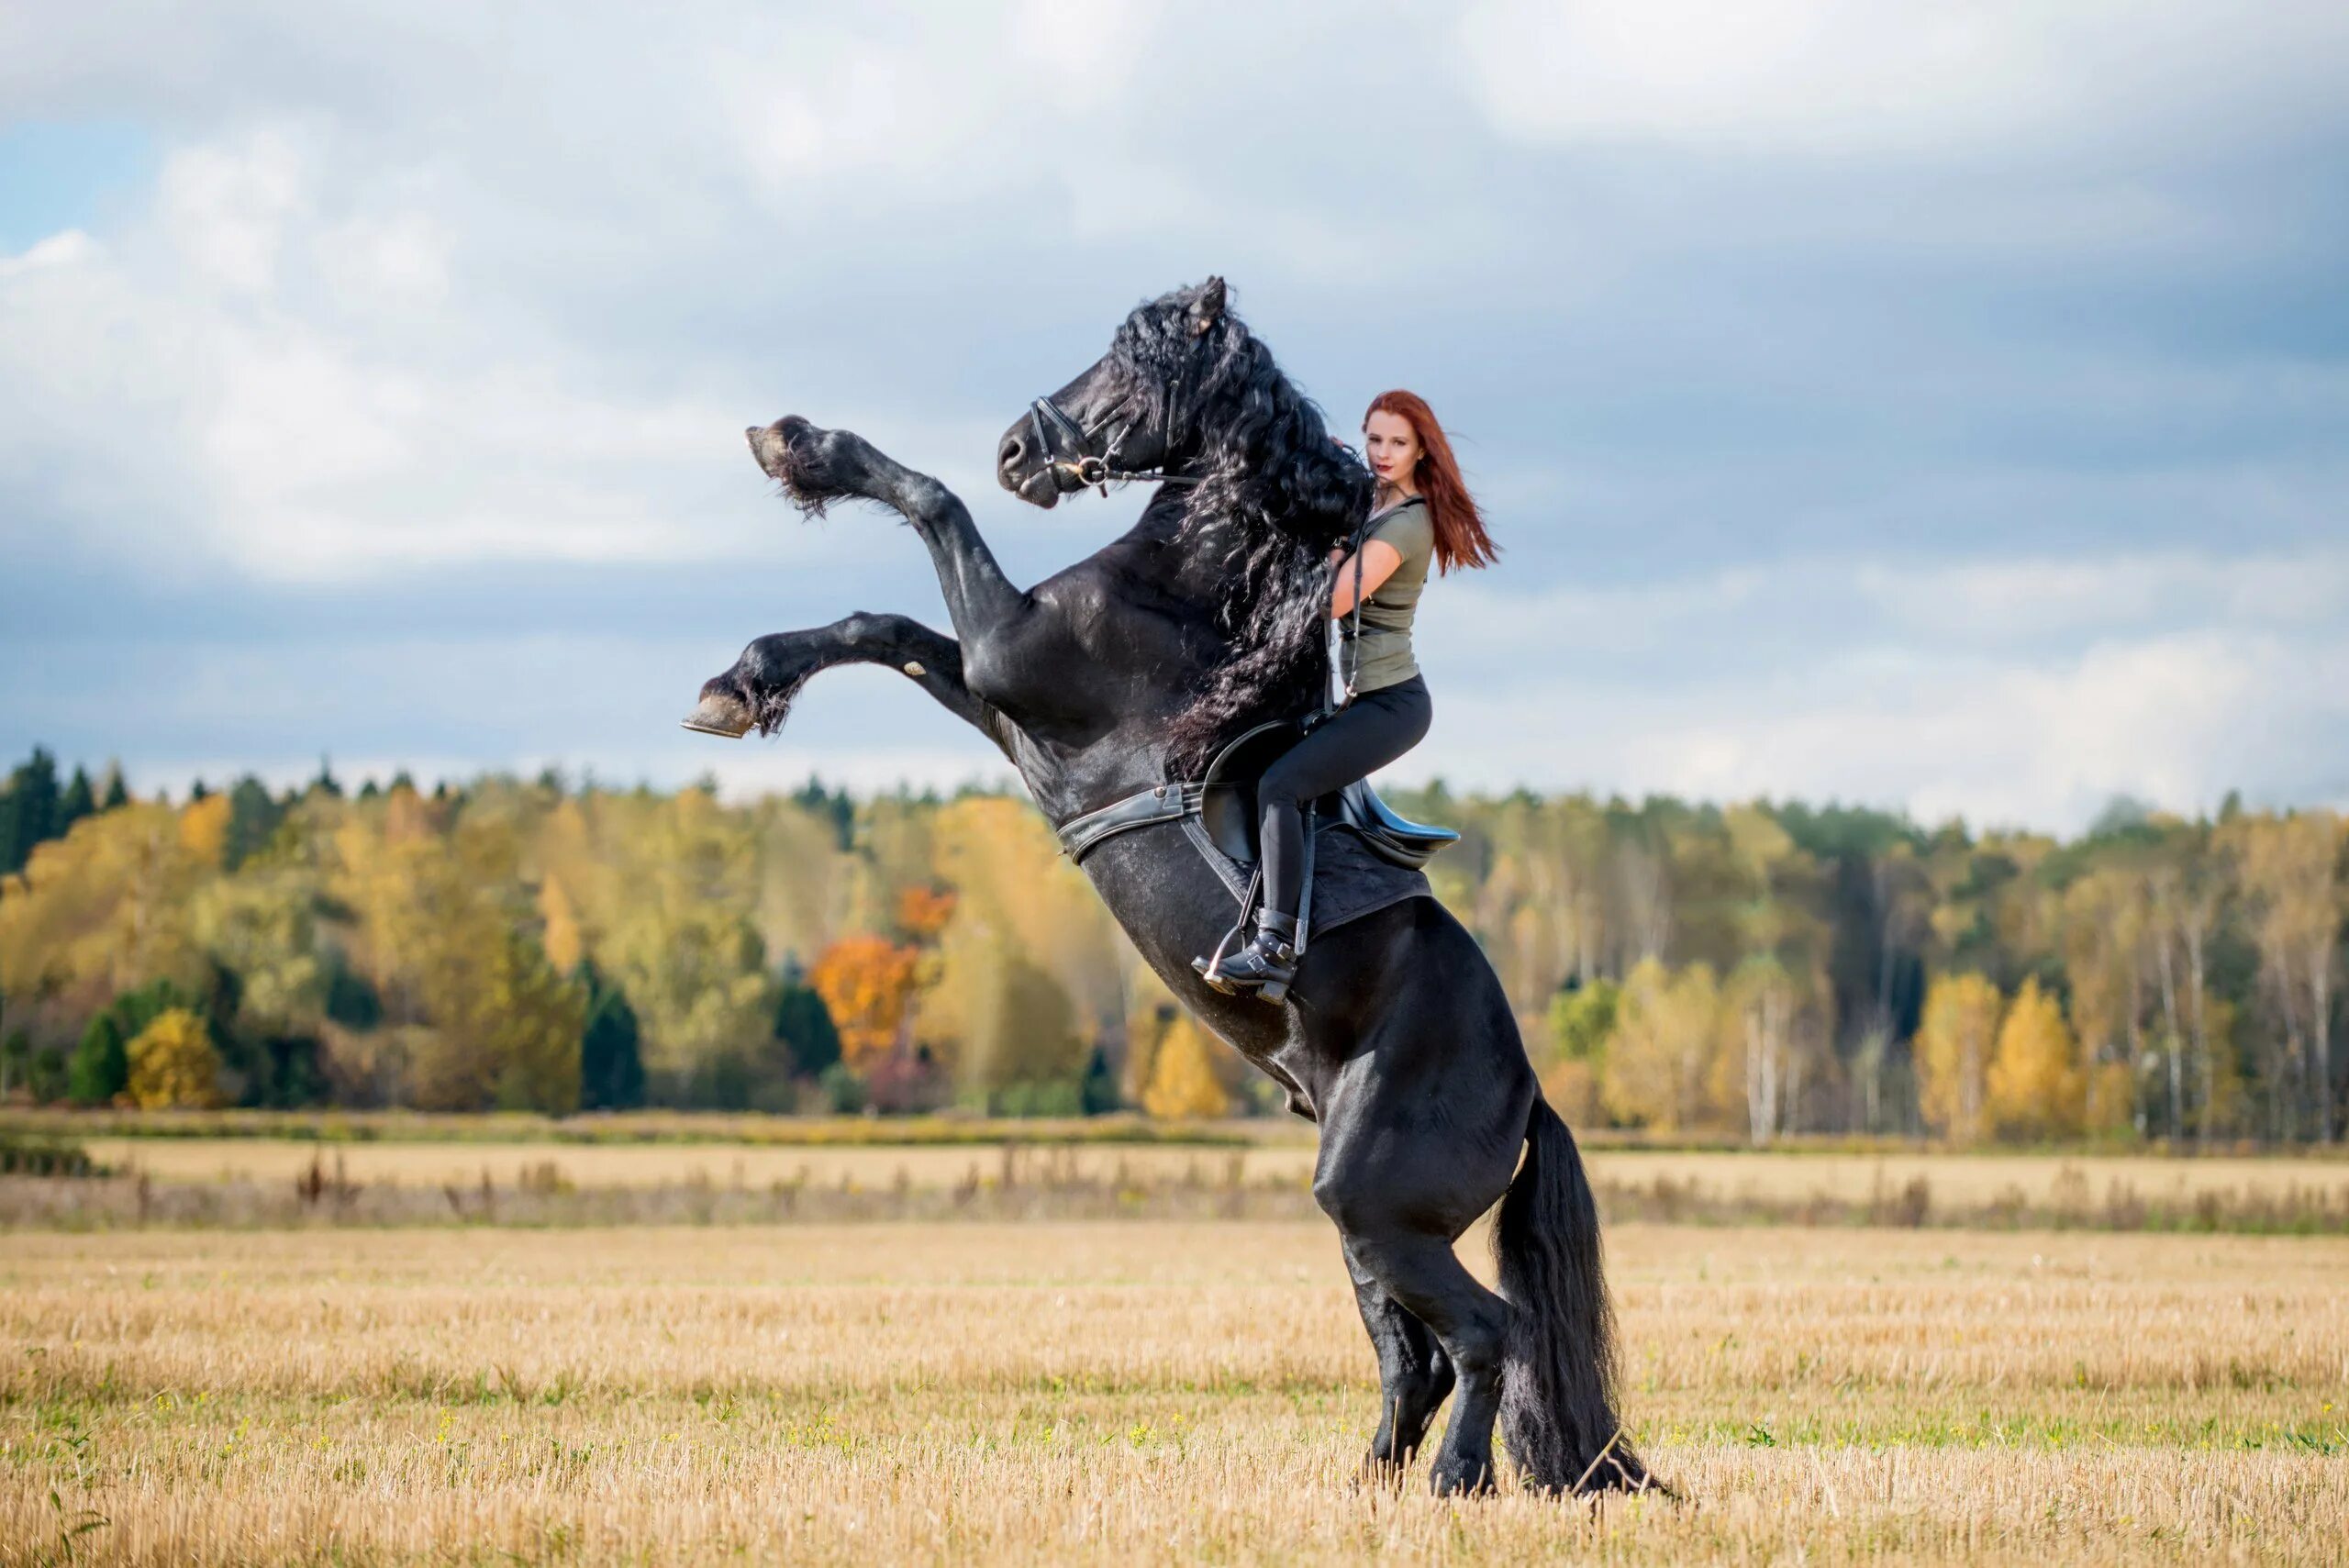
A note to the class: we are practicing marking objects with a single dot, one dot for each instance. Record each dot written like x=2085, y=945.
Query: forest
x=1743, y=973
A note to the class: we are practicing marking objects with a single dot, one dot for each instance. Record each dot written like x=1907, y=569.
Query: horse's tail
x=1558, y=1362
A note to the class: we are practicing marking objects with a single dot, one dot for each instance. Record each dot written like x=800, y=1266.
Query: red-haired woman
x=1423, y=512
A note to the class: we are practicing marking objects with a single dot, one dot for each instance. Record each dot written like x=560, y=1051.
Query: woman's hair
x=1459, y=536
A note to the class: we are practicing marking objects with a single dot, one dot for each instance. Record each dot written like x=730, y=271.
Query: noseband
x=1071, y=448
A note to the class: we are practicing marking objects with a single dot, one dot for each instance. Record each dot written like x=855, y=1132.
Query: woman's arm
x=1379, y=560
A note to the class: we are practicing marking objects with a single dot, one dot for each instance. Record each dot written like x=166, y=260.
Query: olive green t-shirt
x=1384, y=646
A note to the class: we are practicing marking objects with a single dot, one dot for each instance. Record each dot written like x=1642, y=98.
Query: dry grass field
x=2122, y=1191
x=1138, y=1392
x=1961, y=1179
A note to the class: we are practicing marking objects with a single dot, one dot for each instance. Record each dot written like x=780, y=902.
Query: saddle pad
x=1349, y=878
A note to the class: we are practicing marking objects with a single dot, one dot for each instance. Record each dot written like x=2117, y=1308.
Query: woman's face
x=1390, y=446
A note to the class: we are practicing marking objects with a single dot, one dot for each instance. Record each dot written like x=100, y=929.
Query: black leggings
x=1353, y=743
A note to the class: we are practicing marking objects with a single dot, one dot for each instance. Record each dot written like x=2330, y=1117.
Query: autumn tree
x=2104, y=956
x=865, y=982
x=1759, y=1008
x=1580, y=1024
x=2034, y=1085
x=173, y=1065
x=1953, y=1047
x=1005, y=1027
x=1183, y=1081
x=1659, y=1062
x=98, y=913
x=100, y=1068
x=2292, y=871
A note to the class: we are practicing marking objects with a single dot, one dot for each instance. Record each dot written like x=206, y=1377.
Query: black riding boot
x=1266, y=966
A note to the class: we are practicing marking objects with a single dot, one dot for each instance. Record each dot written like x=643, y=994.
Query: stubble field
x=1138, y=1391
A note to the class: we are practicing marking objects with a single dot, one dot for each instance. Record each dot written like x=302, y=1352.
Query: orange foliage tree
x=866, y=983
x=922, y=912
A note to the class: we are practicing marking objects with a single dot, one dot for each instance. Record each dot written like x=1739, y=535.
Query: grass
x=1121, y=1393
x=600, y=1129
x=259, y=1182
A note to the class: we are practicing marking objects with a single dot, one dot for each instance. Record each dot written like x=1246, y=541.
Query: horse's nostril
x=1013, y=450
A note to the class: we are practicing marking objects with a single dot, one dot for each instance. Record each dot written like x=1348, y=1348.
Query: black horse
x=1129, y=668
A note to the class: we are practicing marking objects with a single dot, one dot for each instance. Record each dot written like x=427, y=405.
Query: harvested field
x=251, y=1182
x=1113, y=1393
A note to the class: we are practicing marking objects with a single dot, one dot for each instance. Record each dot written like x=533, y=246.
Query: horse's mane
x=1267, y=466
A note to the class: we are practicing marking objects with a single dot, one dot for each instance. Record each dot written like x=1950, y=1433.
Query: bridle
x=1068, y=447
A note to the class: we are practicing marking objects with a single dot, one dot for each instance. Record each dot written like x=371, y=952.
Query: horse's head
x=1188, y=391
x=1129, y=411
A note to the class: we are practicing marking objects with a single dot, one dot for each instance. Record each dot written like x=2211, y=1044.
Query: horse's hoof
x=806, y=459
x=719, y=714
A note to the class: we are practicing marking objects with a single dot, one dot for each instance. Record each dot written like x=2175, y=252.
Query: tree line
x=1751, y=970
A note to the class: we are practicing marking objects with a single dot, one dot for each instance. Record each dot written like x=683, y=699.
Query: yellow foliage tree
x=996, y=1020
x=173, y=1064
x=1953, y=1053
x=1658, y=1071
x=204, y=829
x=865, y=982
x=93, y=915
x=1183, y=1081
x=2035, y=1085
x=565, y=947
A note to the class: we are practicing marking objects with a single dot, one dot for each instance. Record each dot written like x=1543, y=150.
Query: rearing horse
x=1106, y=679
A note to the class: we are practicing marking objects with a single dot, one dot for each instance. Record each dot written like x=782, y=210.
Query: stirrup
x=1273, y=953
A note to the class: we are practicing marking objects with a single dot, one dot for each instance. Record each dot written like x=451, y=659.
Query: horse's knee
x=924, y=499
x=864, y=631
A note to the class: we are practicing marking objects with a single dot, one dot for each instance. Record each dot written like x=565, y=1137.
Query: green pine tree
x=101, y=1066
x=28, y=809
x=79, y=801
x=611, y=1063
x=803, y=1026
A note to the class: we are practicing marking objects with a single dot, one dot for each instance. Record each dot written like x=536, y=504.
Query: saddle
x=1224, y=801
x=1228, y=803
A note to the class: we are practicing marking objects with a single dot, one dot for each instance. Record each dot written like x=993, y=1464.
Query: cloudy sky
x=1941, y=407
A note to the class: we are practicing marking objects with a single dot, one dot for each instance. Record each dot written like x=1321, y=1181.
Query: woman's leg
x=1353, y=743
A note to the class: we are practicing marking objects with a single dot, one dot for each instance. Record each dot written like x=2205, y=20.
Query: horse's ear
x=1207, y=309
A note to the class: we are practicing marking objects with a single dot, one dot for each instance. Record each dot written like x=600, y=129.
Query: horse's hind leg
x=817, y=466
x=1420, y=1273
x=1413, y=1374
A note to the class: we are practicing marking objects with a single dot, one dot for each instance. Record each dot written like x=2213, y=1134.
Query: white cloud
x=2027, y=692
x=225, y=210
x=1846, y=77
x=64, y=250
x=403, y=302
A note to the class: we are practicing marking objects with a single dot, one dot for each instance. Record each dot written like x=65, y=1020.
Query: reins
x=1078, y=452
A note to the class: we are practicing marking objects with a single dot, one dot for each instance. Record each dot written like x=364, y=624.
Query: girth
x=1162, y=803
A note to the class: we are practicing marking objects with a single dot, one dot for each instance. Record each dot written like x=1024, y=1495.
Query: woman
x=1422, y=512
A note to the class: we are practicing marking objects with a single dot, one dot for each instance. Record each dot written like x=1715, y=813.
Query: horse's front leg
x=817, y=466
x=756, y=692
